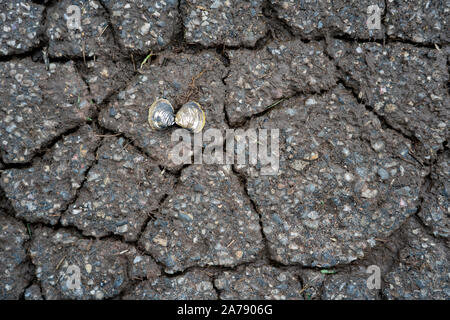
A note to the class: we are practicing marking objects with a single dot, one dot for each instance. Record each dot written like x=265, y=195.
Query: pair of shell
x=191, y=116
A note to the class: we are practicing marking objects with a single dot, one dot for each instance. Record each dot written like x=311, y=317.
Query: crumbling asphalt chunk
x=37, y=106
x=179, y=79
x=143, y=25
x=259, y=283
x=43, y=191
x=207, y=220
x=86, y=37
x=229, y=23
x=435, y=211
x=60, y=256
x=15, y=271
x=120, y=192
x=314, y=19
x=418, y=21
x=261, y=78
x=343, y=181
x=21, y=26
x=422, y=271
x=404, y=84
x=190, y=286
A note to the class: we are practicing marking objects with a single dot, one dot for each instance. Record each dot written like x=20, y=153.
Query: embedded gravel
x=227, y=23
x=20, y=25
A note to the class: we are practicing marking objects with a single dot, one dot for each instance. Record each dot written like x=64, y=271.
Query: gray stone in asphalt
x=314, y=19
x=21, y=26
x=404, y=84
x=15, y=269
x=102, y=265
x=422, y=270
x=418, y=21
x=142, y=26
x=435, y=211
x=259, y=283
x=86, y=37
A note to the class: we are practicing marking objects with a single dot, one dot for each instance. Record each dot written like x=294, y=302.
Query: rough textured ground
x=364, y=160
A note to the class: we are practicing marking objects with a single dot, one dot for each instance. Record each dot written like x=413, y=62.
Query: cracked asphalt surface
x=364, y=159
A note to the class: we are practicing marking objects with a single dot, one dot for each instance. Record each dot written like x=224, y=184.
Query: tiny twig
x=146, y=58
x=275, y=104
x=107, y=135
x=104, y=30
x=132, y=60
x=60, y=262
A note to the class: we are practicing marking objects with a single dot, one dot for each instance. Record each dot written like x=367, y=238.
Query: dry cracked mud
x=88, y=189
